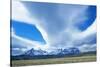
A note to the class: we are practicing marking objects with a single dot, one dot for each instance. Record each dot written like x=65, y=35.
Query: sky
x=50, y=26
x=27, y=30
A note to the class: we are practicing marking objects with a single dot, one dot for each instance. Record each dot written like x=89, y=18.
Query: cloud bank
x=57, y=26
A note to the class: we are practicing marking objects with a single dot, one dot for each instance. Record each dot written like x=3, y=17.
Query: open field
x=53, y=61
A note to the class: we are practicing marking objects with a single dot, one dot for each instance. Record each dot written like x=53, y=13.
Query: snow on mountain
x=70, y=51
x=33, y=52
x=65, y=51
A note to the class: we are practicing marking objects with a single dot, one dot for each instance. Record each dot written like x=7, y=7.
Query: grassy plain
x=87, y=58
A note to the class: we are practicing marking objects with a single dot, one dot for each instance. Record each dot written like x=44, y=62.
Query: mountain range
x=56, y=53
x=70, y=51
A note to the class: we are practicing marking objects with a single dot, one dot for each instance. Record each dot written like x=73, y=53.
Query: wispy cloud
x=25, y=42
x=59, y=30
x=87, y=47
x=20, y=13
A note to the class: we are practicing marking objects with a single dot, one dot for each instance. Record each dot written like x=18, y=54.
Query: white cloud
x=73, y=14
x=59, y=38
x=87, y=47
x=20, y=13
x=90, y=30
x=18, y=51
x=25, y=42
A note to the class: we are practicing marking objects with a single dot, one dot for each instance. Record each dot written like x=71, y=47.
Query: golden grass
x=54, y=60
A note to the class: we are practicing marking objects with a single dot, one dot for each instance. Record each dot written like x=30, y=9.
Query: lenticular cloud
x=58, y=25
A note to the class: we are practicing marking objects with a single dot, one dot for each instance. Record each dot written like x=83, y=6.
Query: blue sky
x=91, y=13
x=27, y=31
x=58, y=21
